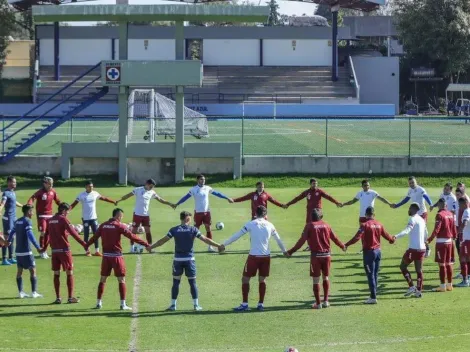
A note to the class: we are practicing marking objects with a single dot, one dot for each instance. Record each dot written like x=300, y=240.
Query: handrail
x=35, y=81
x=356, y=83
x=56, y=93
x=45, y=113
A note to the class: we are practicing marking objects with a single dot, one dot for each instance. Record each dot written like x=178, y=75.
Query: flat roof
x=363, y=5
x=215, y=13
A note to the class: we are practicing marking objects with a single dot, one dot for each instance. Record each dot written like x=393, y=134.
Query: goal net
x=259, y=109
x=151, y=114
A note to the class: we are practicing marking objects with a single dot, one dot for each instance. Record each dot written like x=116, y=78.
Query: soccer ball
x=219, y=226
x=79, y=228
x=140, y=229
x=291, y=349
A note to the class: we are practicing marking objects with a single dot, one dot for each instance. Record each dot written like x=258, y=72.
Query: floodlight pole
x=334, y=39
x=123, y=108
x=179, y=113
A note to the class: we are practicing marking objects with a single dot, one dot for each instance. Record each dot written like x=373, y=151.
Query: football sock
x=99, y=302
x=442, y=274
x=262, y=291
x=450, y=273
x=41, y=241
x=10, y=251
x=4, y=253
x=70, y=284
x=175, y=289
x=195, y=301
x=173, y=302
x=464, y=271
x=57, y=285
x=100, y=290
x=193, y=288
x=148, y=236
x=209, y=234
x=34, y=283
x=245, y=292
x=326, y=289
x=407, y=276
x=19, y=283
x=419, y=285
x=122, y=290
x=316, y=292
x=123, y=302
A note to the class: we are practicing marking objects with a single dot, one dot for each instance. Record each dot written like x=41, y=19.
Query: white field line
x=135, y=304
x=381, y=342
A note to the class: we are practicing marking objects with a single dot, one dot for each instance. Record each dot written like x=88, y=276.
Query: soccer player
x=416, y=229
x=23, y=230
x=464, y=239
x=318, y=235
x=366, y=199
x=110, y=233
x=370, y=232
x=9, y=203
x=89, y=216
x=44, y=198
x=143, y=196
x=58, y=230
x=449, y=197
x=444, y=231
x=259, y=258
x=259, y=197
x=314, y=197
x=202, y=212
x=183, y=262
x=418, y=195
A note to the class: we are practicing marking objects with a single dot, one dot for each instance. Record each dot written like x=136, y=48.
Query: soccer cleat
x=12, y=261
x=449, y=287
x=197, y=308
x=463, y=284
x=211, y=249
x=418, y=294
x=260, y=307
x=88, y=254
x=325, y=304
x=171, y=308
x=370, y=301
x=73, y=300
x=316, y=306
x=98, y=306
x=242, y=308
x=36, y=295
x=125, y=307
x=5, y=262
x=97, y=254
x=44, y=255
x=57, y=301
x=410, y=291
x=23, y=295
x=439, y=289
x=306, y=249
x=133, y=249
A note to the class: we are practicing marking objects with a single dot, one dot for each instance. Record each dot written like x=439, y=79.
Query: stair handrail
x=356, y=82
x=48, y=111
x=55, y=94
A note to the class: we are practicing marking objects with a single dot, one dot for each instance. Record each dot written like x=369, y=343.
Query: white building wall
x=304, y=52
x=149, y=49
x=75, y=52
x=231, y=52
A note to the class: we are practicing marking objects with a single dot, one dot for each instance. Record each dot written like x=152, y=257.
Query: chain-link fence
x=295, y=136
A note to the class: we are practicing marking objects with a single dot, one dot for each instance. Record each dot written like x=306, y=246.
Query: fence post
x=71, y=129
x=409, y=140
x=326, y=136
x=3, y=135
x=243, y=140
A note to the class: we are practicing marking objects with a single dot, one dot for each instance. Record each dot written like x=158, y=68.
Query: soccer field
x=289, y=137
x=397, y=323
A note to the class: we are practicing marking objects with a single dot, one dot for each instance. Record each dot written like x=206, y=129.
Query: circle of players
x=451, y=225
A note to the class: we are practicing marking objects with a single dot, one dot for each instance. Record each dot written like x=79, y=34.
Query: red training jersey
x=258, y=199
x=44, y=200
x=445, y=226
x=314, y=199
x=110, y=233
x=58, y=230
x=318, y=235
x=370, y=233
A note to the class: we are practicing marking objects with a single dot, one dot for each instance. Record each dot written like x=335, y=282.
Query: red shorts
x=202, y=218
x=465, y=249
x=412, y=255
x=255, y=265
x=42, y=223
x=444, y=253
x=62, y=260
x=362, y=219
x=138, y=220
x=425, y=217
x=319, y=266
x=109, y=264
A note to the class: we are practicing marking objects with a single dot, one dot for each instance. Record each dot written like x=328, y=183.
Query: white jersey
x=366, y=199
x=417, y=196
x=466, y=229
x=142, y=200
x=417, y=231
x=201, y=198
x=260, y=231
x=451, y=201
x=88, y=201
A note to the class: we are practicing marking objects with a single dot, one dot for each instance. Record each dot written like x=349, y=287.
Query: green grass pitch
x=288, y=137
x=437, y=322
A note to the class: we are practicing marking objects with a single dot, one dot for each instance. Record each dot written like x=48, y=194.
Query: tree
x=274, y=15
x=7, y=25
x=324, y=11
x=435, y=33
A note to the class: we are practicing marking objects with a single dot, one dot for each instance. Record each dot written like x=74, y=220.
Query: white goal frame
x=261, y=102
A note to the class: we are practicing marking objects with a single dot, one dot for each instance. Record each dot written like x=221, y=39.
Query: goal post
x=271, y=110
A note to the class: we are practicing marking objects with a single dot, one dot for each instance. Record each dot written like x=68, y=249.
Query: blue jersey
x=184, y=236
x=23, y=231
x=9, y=197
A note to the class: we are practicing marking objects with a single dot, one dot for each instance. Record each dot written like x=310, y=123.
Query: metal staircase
x=40, y=125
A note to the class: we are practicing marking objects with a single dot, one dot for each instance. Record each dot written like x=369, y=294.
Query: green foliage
x=274, y=18
x=7, y=25
x=324, y=11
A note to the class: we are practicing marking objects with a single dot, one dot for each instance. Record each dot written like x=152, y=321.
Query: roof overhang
x=455, y=87
x=215, y=13
x=363, y=5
